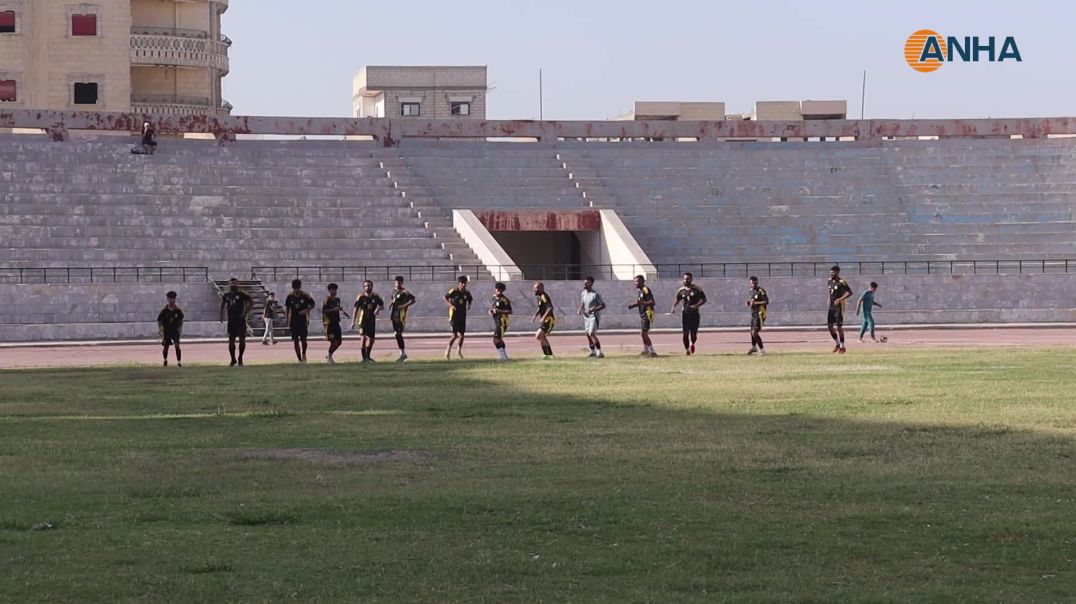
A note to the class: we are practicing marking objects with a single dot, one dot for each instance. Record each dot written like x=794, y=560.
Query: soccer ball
x=883, y=339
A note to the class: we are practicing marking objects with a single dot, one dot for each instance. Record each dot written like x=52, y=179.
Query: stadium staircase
x=586, y=180
x=435, y=218
x=498, y=176
x=259, y=295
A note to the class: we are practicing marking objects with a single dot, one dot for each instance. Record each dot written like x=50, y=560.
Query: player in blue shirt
x=866, y=304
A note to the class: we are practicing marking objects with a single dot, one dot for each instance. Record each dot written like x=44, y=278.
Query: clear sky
x=598, y=56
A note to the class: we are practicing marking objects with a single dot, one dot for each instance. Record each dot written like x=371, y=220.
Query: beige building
x=676, y=111
x=715, y=111
x=146, y=56
x=792, y=111
x=430, y=92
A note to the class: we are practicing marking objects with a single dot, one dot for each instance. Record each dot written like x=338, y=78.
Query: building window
x=83, y=25
x=410, y=109
x=85, y=93
x=461, y=108
x=7, y=22
x=7, y=91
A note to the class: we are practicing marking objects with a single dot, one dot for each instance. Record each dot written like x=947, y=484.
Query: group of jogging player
x=237, y=304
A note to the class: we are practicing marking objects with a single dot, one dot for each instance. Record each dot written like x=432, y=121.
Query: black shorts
x=399, y=322
x=333, y=332
x=547, y=325
x=691, y=320
x=368, y=326
x=169, y=338
x=757, y=322
x=500, y=326
x=459, y=323
x=646, y=320
x=237, y=328
x=299, y=329
x=835, y=316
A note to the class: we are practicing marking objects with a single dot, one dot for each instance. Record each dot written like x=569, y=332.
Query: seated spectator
x=149, y=139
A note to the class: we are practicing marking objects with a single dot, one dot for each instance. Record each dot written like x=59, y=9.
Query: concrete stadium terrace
x=392, y=131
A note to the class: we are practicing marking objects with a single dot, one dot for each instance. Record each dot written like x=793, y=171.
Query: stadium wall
x=31, y=313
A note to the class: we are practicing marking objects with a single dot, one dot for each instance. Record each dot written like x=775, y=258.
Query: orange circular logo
x=913, y=50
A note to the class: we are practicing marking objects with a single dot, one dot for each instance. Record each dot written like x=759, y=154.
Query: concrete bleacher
x=907, y=200
x=490, y=176
x=319, y=203
x=195, y=203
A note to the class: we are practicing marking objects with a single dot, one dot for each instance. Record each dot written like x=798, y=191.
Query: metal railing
x=869, y=268
x=550, y=272
x=701, y=270
x=115, y=274
x=352, y=274
x=171, y=99
x=171, y=31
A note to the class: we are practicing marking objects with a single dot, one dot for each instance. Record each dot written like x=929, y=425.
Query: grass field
x=890, y=476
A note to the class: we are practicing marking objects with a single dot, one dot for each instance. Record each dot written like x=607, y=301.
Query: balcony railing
x=178, y=47
x=170, y=31
x=168, y=104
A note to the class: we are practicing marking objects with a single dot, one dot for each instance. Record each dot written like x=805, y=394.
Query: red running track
x=479, y=346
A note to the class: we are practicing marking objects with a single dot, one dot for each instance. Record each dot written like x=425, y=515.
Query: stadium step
x=435, y=219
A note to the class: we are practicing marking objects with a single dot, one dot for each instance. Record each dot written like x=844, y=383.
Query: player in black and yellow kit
x=297, y=307
x=331, y=309
x=170, y=326
x=238, y=304
x=459, y=300
x=839, y=292
x=645, y=304
x=692, y=297
x=758, y=301
x=500, y=307
x=367, y=305
x=545, y=318
x=399, y=302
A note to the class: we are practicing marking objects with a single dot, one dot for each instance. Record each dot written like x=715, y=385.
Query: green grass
x=892, y=476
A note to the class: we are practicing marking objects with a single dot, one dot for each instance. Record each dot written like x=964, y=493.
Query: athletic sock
x=179, y=355
x=547, y=350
